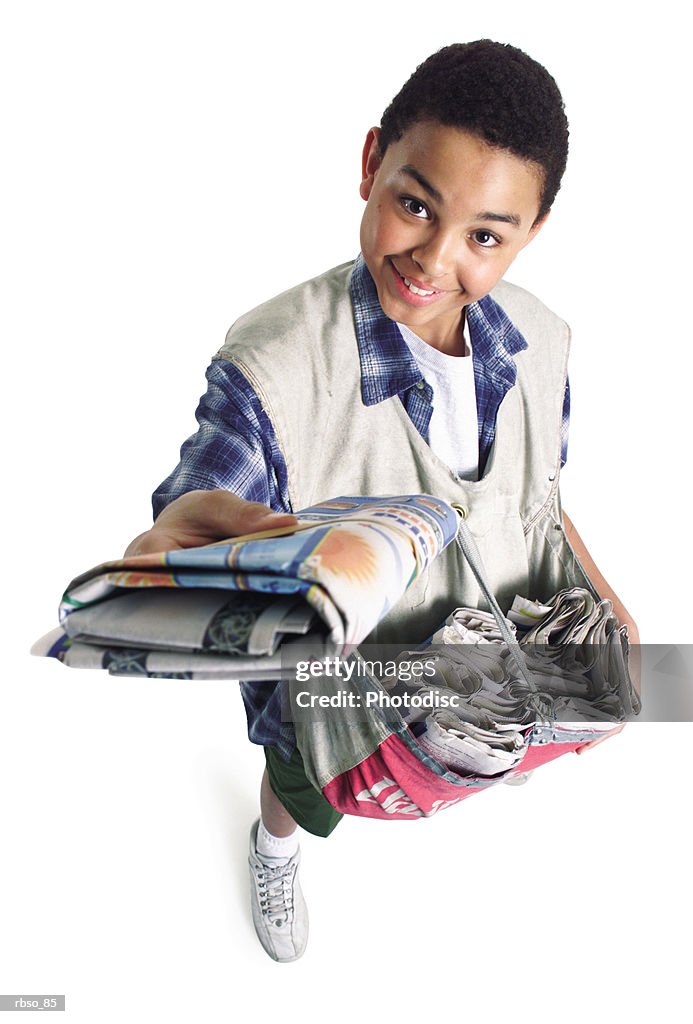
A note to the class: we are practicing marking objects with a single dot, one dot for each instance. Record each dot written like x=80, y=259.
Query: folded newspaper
x=231, y=609
x=235, y=609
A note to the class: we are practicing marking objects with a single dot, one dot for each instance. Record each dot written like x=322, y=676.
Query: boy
x=399, y=373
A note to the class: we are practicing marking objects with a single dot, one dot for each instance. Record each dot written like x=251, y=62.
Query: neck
x=456, y=344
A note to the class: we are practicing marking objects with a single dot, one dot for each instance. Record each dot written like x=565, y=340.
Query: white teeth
x=413, y=288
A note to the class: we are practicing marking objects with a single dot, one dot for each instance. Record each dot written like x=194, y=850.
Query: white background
x=166, y=166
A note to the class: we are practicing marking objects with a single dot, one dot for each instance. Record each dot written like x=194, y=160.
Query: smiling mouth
x=414, y=292
x=416, y=289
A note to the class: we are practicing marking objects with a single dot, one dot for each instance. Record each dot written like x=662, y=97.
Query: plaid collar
x=387, y=366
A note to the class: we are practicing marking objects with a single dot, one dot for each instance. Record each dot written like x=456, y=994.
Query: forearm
x=234, y=449
x=598, y=582
x=230, y=476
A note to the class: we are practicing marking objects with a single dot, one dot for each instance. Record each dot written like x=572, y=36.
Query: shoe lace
x=275, y=884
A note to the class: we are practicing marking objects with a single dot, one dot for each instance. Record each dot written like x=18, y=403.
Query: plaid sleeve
x=565, y=424
x=234, y=449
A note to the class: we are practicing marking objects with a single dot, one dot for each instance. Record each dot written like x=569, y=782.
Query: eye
x=415, y=207
x=486, y=239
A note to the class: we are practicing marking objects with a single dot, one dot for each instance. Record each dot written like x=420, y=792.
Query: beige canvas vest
x=299, y=351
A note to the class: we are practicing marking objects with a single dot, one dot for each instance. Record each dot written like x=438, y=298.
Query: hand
x=203, y=517
x=595, y=743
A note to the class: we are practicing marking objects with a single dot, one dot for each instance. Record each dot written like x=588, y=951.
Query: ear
x=536, y=228
x=370, y=162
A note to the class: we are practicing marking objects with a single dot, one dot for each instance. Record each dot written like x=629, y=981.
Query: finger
x=152, y=542
x=595, y=743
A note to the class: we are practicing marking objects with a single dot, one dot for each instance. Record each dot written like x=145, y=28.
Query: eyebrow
x=424, y=182
x=503, y=218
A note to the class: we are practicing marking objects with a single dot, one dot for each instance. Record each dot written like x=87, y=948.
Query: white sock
x=282, y=847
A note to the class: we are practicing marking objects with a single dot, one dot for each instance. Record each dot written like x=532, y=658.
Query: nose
x=437, y=255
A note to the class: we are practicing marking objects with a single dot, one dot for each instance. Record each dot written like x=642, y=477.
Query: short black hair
x=498, y=93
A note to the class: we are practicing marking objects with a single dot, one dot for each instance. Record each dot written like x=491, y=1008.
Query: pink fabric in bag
x=370, y=790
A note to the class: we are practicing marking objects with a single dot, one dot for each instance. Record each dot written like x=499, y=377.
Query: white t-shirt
x=453, y=433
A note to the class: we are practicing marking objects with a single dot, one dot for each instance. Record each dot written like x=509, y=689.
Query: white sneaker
x=280, y=914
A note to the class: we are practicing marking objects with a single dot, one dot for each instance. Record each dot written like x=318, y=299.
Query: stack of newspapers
x=575, y=658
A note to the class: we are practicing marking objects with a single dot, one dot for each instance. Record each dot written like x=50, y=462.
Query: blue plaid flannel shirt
x=235, y=447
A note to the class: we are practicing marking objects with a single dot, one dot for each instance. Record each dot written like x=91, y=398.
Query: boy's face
x=448, y=214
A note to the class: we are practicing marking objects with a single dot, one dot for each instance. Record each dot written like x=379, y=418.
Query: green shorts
x=306, y=805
